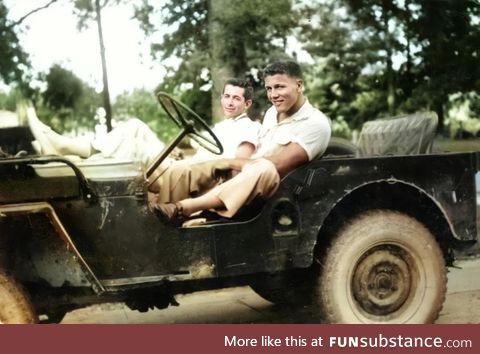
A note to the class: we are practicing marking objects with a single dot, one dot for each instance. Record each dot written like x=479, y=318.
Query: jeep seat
x=402, y=135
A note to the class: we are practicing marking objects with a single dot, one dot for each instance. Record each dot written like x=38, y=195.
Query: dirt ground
x=242, y=305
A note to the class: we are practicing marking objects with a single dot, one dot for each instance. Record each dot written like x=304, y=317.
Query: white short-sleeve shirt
x=308, y=127
x=232, y=132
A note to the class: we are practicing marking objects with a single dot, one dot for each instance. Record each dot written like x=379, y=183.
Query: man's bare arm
x=288, y=158
x=244, y=150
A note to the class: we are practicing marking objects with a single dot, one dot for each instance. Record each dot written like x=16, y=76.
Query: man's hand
x=228, y=168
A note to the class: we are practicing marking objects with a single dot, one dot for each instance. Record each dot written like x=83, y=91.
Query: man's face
x=284, y=92
x=233, y=101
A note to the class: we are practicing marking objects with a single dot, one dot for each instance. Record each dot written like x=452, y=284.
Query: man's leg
x=52, y=143
x=257, y=179
x=184, y=179
x=132, y=140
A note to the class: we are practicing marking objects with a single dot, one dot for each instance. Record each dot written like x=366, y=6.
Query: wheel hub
x=381, y=281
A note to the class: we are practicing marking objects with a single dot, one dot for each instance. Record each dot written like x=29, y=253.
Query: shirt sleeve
x=246, y=131
x=314, y=136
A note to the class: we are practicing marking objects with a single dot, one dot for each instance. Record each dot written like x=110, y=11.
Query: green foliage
x=371, y=58
x=463, y=116
x=85, y=10
x=63, y=88
x=143, y=104
x=14, y=62
x=206, y=35
x=68, y=103
x=375, y=58
x=8, y=101
x=200, y=102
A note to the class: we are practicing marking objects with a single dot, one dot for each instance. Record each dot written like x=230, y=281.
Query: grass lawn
x=443, y=144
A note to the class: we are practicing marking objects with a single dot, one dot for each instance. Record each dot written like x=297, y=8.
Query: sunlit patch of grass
x=442, y=144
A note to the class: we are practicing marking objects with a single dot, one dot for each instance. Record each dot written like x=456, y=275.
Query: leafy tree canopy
x=384, y=57
x=207, y=35
x=14, y=62
x=67, y=102
x=142, y=104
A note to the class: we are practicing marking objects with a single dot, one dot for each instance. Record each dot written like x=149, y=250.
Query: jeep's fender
x=51, y=253
x=397, y=195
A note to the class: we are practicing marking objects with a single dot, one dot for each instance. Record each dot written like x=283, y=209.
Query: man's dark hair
x=286, y=67
x=248, y=88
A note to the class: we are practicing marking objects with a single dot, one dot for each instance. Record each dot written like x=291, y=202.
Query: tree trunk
x=389, y=70
x=220, y=69
x=106, y=93
x=408, y=32
x=438, y=107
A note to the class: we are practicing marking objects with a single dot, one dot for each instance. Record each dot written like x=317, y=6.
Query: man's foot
x=40, y=132
x=171, y=212
x=37, y=147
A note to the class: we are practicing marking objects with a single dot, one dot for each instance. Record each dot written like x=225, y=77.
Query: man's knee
x=265, y=168
x=179, y=167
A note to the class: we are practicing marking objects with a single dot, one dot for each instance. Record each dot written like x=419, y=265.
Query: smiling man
x=236, y=131
x=293, y=132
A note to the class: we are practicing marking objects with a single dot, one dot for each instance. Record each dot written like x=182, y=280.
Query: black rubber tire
x=383, y=267
x=340, y=147
x=15, y=306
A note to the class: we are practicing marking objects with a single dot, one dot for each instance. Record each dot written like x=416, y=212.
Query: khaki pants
x=182, y=180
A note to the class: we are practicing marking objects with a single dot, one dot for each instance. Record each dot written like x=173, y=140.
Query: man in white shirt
x=176, y=180
x=293, y=133
x=236, y=131
x=134, y=140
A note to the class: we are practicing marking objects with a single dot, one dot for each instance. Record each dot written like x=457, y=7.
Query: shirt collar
x=241, y=116
x=302, y=113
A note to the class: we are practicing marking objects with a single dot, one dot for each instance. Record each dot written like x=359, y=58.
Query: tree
x=347, y=79
x=142, y=104
x=91, y=10
x=63, y=88
x=449, y=35
x=14, y=62
x=67, y=102
x=214, y=40
x=8, y=100
x=380, y=57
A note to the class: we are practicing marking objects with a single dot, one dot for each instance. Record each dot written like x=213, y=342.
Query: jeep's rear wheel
x=383, y=267
x=15, y=306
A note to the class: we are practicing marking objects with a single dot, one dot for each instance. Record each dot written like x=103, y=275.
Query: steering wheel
x=191, y=123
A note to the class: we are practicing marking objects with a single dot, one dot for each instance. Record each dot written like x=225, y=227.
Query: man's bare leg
x=204, y=202
x=186, y=207
x=38, y=130
x=53, y=143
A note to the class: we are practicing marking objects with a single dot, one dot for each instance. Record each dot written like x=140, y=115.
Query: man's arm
x=288, y=157
x=244, y=150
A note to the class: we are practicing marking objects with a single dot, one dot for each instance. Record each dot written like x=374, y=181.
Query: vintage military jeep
x=362, y=239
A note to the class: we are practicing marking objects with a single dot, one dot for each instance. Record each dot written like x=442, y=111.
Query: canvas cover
x=401, y=135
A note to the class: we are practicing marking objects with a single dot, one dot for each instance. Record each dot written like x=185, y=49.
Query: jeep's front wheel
x=15, y=307
x=383, y=267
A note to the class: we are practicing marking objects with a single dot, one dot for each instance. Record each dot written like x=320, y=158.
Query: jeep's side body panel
x=308, y=195
x=124, y=244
